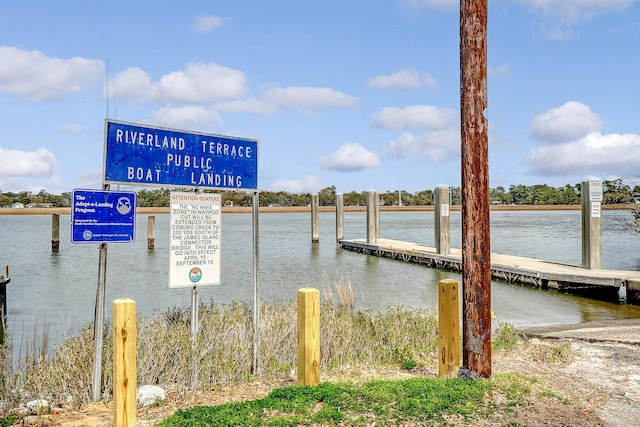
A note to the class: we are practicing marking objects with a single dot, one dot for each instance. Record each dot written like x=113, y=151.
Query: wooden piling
x=339, y=217
x=124, y=362
x=55, y=232
x=591, y=191
x=448, y=327
x=476, y=248
x=315, y=219
x=373, y=216
x=308, y=336
x=441, y=220
x=151, y=227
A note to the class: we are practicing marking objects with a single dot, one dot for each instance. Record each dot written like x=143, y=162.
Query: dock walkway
x=513, y=269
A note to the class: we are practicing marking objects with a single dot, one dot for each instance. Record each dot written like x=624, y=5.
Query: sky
x=360, y=95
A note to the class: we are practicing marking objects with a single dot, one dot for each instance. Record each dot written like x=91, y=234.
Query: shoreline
x=290, y=209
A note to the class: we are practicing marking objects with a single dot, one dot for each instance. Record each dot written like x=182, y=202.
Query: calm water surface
x=56, y=291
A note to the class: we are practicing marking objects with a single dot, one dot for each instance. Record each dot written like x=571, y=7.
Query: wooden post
x=591, y=190
x=373, y=216
x=339, y=217
x=151, y=227
x=4, y=281
x=441, y=221
x=55, y=232
x=315, y=221
x=308, y=336
x=476, y=248
x=448, y=327
x=124, y=362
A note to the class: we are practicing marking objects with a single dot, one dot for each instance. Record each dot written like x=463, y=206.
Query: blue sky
x=361, y=95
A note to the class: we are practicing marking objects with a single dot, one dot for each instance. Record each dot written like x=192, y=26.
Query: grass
x=421, y=400
x=222, y=356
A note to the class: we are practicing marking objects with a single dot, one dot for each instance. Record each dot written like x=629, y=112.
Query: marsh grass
x=222, y=354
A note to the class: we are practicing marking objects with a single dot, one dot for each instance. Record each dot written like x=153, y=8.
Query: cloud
x=40, y=162
x=206, y=23
x=571, y=144
x=310, y=184
x=405, y=79
x=593, y=154
x=247, y=105
x=307, y=98
x=414, y=117
x=197, y=83
x=431, y=4
x=570, y=11
x=500, y=71
x=567, y=122
x=350, y=157
x=435, y=146
x=189, y=117
x=71, y=128
x=33, y=75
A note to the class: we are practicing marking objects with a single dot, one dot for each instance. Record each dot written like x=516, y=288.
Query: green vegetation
x=420, y=400
x=614, y=191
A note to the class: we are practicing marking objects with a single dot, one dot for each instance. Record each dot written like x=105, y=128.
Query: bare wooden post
x=4, y=281
x=591, y=190
x=315, y=221
x=339, y=217
x=441, y=220
x=55, y=232
x=448, y=327
x=308, y=336
x=124, y=362
x=373, y=216
x=151, y=227
x=476, y=250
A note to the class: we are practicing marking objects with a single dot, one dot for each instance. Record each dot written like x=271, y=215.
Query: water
x=56, y=291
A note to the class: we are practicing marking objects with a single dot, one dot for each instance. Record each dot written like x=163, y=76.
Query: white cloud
x=436, y=146
x=414, y=117
x=247, y=105
x=570, y=11
x=405, y=79
x=350, y=157
x=567, y=122
x=71, y=128
x=33, y=75
x=206, y=23
x=432, y=4
x=307, y=98
x=189, y=117
x=593, y=154
x=197, y=83
x=40, y=162
x=310, y=184
x=500, y=71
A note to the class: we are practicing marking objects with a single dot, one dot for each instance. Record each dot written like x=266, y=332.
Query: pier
x=513, y=269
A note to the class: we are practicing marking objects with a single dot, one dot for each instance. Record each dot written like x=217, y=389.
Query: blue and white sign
x=103, y=216
x=144, y=155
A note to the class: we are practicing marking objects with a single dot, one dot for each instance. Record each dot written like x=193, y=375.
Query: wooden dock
x=513, y=269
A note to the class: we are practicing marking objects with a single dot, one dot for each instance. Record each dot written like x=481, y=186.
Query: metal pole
x=256, y=284
x=98, y=323
x=476, y=249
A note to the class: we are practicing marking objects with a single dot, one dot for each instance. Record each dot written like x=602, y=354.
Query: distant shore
x=289, y=209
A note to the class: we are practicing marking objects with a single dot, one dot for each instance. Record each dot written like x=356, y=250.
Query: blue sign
x=143, y=155
x=103, y=216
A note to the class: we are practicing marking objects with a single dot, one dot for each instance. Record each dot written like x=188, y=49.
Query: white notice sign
x=194, y=256
x=595, y=209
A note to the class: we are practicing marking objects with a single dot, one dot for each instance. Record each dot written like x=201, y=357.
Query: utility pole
x=476, y=248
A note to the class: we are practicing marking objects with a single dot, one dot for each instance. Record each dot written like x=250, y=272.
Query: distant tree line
x=615, y=191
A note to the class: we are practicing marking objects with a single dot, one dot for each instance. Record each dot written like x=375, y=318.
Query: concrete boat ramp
x=513, y=269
